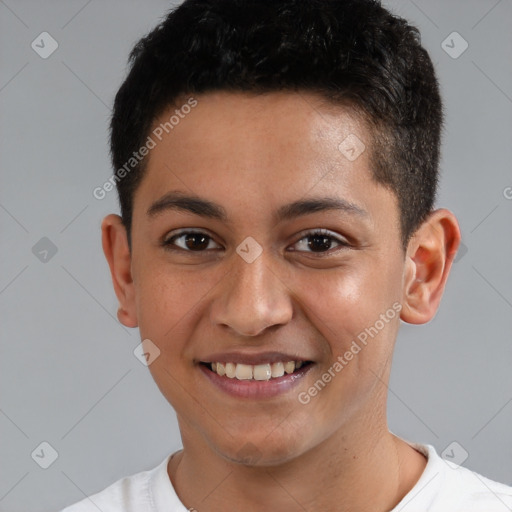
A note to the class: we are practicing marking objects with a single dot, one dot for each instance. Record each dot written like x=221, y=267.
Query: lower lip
x=257, y=389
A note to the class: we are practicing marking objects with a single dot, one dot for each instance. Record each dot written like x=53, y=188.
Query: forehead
x=291, y=125
x=259, y=151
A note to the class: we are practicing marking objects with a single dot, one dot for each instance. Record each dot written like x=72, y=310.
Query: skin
x=251, y=155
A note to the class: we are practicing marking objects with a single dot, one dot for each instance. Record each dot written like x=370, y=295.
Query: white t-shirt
x=443, y=487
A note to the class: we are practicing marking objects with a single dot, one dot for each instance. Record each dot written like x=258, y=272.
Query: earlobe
x=125, y=318
x=117, y=252
x=429, y=258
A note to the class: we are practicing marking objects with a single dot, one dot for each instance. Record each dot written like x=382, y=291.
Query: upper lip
x=253, y=359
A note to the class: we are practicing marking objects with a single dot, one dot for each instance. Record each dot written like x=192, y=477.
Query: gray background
x=68, y=373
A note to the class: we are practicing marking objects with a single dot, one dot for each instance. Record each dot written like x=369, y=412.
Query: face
x=289, y=251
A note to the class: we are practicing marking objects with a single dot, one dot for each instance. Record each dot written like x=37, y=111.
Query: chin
x=260, y=451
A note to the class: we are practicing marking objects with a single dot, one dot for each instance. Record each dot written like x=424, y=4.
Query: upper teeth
x=255, y=372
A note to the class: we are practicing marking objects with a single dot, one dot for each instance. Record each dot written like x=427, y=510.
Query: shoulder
x=128, y=494
x=476, y=492
x=448, y=487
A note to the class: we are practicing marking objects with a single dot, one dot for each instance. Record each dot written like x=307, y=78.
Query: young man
x=276, y=163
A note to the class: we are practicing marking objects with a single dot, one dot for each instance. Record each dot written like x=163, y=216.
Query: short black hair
x=350, y=52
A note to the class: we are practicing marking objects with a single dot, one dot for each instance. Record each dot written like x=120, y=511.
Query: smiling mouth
x=257, y=372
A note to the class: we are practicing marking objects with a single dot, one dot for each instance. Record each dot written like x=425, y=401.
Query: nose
x=253, y=297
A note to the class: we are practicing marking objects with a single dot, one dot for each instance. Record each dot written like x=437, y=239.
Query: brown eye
x=320, y=241
x=189, y=241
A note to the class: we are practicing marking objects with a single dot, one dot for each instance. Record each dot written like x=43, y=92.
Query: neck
x=354, y=470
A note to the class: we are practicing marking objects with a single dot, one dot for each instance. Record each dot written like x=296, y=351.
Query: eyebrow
x=178, y=201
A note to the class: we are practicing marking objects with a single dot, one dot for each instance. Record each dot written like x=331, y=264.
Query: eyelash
x=169, y=245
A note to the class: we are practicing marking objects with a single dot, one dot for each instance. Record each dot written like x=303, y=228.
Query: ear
x=428, y=261
x=115, y=246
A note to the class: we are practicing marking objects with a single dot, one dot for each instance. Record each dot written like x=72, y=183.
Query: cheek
x=358, y=317
x=164, y=301
x=345, y=301
x=357, y=311
x=167, y=307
